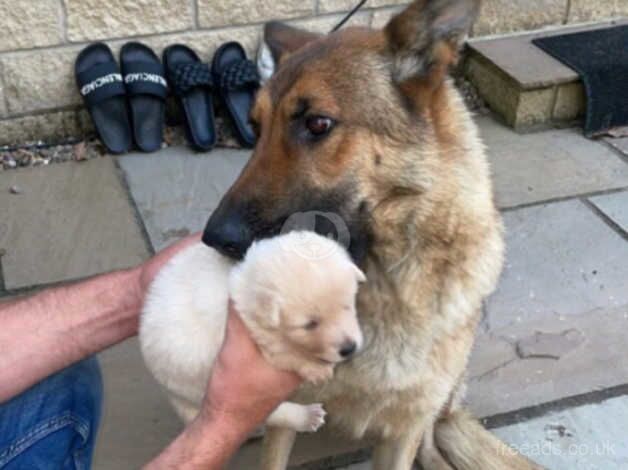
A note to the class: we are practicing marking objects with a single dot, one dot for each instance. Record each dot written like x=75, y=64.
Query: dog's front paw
x=314, y=417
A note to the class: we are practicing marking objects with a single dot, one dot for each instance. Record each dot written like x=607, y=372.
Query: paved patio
x=548, y=372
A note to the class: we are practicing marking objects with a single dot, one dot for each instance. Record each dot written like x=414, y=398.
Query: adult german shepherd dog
x=366, y=124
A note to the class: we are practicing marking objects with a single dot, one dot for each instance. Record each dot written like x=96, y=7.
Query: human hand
x=242, y=391
x=244, y=388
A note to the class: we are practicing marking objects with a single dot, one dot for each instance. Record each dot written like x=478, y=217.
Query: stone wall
x=39, y=41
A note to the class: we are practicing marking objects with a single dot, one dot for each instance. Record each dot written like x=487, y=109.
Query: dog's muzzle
x=227, y=232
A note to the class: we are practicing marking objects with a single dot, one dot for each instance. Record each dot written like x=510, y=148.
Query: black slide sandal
x=100, y=83
x=191, y=82
x=238, y=80
x=147, y=90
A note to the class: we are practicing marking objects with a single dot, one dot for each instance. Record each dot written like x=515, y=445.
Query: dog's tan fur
x=405, y=166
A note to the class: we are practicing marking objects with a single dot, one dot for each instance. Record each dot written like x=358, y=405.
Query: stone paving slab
x=68, y=221
x=359, y=466
x=589, y=437
x=554, y=327
x=615, y=207
x=620, y=143
x=308, y=448
x=137, y=421
x=536, y=362
x=176, y=189
x=561, y=259
x=546, y=165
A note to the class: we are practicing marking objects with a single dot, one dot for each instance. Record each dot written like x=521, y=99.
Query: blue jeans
x=53, y=424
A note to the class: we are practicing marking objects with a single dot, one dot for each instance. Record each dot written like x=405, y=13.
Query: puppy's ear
x=268, y=307
x=359, y=274
x=283, y=39
x=425, y=38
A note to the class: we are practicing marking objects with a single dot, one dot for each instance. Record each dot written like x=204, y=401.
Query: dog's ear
x=269, y=307
x=425, y=38
x=359, y=274
x=283, y=39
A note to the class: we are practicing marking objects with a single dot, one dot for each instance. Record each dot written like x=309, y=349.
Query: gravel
x=42, y=154
x=471, y=96
x=31, y=154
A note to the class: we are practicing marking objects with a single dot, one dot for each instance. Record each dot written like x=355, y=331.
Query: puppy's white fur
x=297, y=302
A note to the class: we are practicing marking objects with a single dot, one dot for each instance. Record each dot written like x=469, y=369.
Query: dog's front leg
x=429, y=457
x=276, y=448
x=399, y=454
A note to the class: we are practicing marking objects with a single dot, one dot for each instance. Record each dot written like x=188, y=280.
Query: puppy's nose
x=227, y=232
x=348, y=348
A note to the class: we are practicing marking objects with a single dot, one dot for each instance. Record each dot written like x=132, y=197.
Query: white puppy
x=295, y=293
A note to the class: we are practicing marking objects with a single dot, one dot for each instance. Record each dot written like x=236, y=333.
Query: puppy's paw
x=314, y=417
x=316, y=373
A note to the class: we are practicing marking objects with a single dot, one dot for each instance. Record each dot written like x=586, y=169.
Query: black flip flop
x=100, y=83
x=192, y=83
x=237, y=80
x=147, y=90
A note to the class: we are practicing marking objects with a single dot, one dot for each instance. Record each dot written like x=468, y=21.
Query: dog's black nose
x=348, y=348
x=228, y=233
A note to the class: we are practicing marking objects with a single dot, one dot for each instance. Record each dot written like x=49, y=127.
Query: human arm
x=43, y=333
x=48, y=331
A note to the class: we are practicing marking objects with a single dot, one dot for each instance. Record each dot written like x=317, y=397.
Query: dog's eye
x=319, y=125
x=311, y=325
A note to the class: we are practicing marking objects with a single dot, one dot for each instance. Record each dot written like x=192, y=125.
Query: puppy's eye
x=311, y=325
x=319, y=126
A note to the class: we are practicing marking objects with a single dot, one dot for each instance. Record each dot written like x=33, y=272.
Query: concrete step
x=524, y=85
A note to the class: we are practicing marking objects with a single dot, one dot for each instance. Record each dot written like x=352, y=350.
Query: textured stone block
x=205, y=43
x=505, y=16
x=571, y=102
x=51, y=126
x=69, y=221
x=232, y=12
x=40, y=80
x=522, y=83
x=534, y=109
x=525, y=63
x=27, y=24
x=325, y=24
x=587, y=10
x=499, y=91
x=93, y=19
x=327, y=6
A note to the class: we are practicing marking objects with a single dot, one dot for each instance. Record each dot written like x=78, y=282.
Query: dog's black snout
x=228, y=234
x=348, y=348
